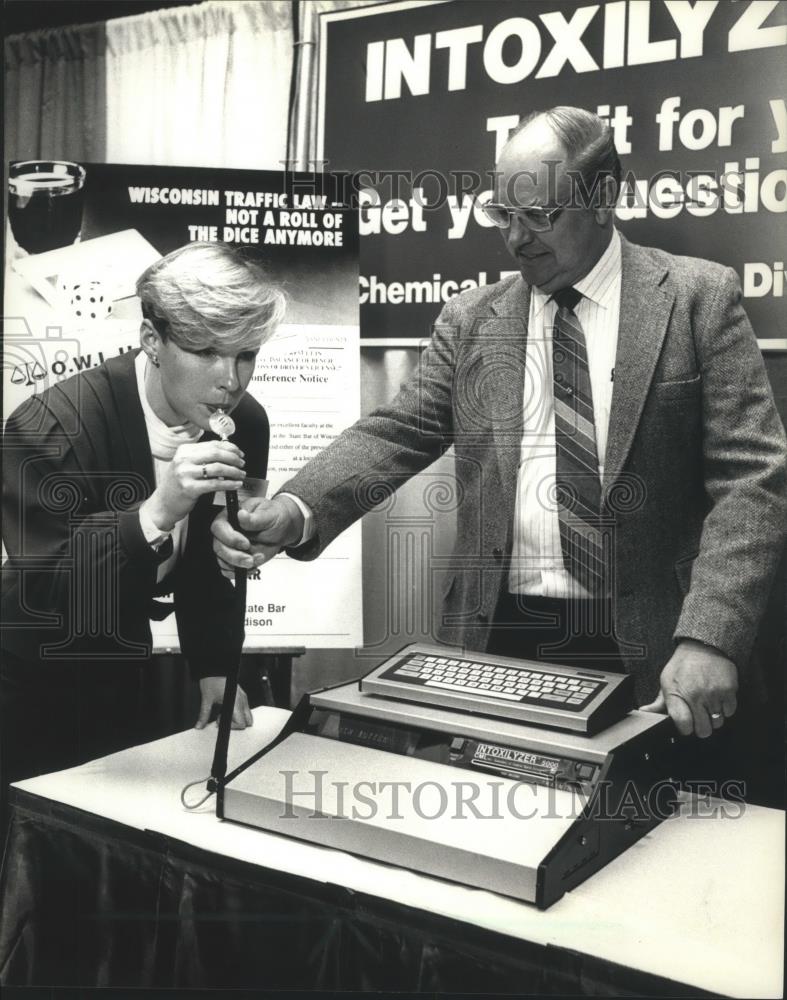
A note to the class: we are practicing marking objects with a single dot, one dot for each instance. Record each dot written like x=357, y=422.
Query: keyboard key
x=459, y=688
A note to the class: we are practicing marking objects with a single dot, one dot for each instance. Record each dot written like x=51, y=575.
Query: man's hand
x=698, y=689
x=268, y=526
x=212, y=693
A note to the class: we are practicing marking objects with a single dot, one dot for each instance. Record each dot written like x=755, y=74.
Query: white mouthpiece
x=221, y=423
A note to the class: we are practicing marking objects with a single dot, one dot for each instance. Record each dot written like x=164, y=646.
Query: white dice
x=87, y=301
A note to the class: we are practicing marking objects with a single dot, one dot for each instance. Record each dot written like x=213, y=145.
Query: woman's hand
x=195, y=469
x=212, y=693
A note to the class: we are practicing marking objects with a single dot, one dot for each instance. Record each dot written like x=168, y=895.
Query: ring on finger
x=204, y=472
x=716, y=718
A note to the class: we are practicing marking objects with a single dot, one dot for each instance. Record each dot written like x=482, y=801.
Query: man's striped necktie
x=578, y=485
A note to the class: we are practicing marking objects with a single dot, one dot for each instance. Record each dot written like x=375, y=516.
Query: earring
x=155, y=360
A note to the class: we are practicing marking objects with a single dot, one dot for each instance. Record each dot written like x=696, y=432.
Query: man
x=620, y=455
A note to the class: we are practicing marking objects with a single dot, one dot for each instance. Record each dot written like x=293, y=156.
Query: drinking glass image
x=45, y=199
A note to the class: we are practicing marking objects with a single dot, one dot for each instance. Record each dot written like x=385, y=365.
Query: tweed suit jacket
x=80, y=578
x=694, y=476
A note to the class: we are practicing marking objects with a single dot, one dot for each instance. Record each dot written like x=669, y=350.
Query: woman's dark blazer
x=80, y=579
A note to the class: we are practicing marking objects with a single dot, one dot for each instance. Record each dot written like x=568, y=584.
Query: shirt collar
x=164, y=440
x=598, y=284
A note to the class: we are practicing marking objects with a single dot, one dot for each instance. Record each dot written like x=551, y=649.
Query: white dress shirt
x=536, y=558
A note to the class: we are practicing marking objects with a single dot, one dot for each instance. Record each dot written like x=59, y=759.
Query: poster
x=306, y=376
x=694, y=94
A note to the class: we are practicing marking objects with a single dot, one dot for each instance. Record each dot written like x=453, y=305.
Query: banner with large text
x=79, y=236
x=417, y=99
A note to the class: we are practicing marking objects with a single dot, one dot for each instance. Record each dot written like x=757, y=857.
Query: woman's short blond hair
x=205, y=294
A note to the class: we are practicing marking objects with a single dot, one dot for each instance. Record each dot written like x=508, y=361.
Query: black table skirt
x=87, y=902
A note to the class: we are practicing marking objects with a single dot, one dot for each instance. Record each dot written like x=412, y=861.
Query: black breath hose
x=224, y=426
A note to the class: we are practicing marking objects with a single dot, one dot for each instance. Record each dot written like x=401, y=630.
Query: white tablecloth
x=700, y=900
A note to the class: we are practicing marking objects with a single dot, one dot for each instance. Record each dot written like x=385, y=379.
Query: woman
x=110, y=480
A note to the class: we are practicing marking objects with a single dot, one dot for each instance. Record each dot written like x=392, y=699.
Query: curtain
x=55, y=94
x=202, y=86
x=206, y=85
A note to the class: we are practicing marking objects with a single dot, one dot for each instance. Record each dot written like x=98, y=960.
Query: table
x=109, y=881
x=272, y=670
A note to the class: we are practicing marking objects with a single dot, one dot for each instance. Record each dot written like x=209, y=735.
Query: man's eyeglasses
x=536, y=219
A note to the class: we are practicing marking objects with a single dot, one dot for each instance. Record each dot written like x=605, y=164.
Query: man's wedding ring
x=204, y=472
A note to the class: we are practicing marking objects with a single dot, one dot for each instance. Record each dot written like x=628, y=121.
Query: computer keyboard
x=577, y=699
